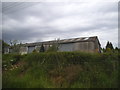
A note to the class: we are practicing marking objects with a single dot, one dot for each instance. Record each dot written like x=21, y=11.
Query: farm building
x=83, y=44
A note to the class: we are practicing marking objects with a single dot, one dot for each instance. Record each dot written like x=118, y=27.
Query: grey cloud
x=51, y=20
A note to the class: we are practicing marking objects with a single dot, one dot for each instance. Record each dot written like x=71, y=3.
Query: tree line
x=109, y=48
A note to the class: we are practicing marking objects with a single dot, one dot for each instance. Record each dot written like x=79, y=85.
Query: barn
x=83, y=44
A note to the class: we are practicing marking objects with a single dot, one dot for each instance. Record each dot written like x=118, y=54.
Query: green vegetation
x=3, y=45
x=109, y=45
x=109, y=48
x=42, y=48
x=53, y=48
x=61, y=70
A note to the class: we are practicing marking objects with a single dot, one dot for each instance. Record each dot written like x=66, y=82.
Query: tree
x=4, y=45
x=117, y=49
x=109, y=50
x=42, y=48
x=109, y=45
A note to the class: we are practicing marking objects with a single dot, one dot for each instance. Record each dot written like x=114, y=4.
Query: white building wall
x=23, y=50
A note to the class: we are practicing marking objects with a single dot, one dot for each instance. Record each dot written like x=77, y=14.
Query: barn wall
x=91, y=47
x=46, y=47
x=79, y=46
x=6, y=50
x=23, y=50
x=37, y=48
x=97, y=46
x=66, y=47
x=88, y=46
x=84, y=46
x=30, y=49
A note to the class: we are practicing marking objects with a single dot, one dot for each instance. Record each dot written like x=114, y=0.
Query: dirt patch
x=17, y=65
x=67, y=75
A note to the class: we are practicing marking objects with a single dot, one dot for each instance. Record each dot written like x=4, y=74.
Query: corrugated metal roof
x=72, y=40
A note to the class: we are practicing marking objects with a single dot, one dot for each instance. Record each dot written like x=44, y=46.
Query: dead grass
x=67, y=75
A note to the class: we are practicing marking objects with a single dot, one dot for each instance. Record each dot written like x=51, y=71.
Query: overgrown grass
x=62, y=70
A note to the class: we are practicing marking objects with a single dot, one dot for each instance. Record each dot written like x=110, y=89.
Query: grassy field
x=60, y=70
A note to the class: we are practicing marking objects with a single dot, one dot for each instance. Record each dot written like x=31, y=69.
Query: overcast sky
x=36, y=22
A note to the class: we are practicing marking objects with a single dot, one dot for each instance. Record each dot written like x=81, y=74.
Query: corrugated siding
x=30, y=49
x=97, y=46
x=79, y=46
x=91, y=47
x=84, y=46
x=66, y=47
